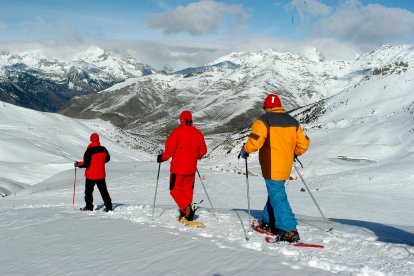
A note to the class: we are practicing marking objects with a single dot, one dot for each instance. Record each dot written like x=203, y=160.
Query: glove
x=243, y=153
x=76, y=164
x=159, y=158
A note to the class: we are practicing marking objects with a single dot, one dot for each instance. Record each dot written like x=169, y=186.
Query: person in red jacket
x=185, y=145
x=94, y=160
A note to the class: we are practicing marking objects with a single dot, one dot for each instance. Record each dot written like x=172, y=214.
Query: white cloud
x=201, y=18
x=305, y=8
x=372, y=24
x=177, y=55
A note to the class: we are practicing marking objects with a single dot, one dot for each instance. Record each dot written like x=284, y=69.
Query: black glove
x=159, y=158
x=75, y=164
x=297, y=159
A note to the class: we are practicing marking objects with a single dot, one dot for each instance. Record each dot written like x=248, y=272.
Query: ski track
x=344, y=251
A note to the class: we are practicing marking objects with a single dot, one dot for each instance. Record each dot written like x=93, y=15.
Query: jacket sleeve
x=203, y=147
x=257, y=137
x=86, y=160
x=302, y=142
x=170, y=146
x=108, y=157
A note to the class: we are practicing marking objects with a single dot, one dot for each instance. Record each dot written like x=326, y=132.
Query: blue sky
x=178, y=33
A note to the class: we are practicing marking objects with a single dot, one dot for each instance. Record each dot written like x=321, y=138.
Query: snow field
x=96, y=240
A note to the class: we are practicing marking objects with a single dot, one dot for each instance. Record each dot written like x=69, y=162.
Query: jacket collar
x=277, y=110
x=94, y=144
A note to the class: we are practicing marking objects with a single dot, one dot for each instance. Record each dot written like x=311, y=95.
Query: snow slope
x=36, y=145
x=42, y=233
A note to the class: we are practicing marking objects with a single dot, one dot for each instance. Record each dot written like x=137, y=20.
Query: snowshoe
x=191, y=223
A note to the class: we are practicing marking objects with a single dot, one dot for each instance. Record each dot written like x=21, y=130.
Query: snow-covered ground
x=369, y=202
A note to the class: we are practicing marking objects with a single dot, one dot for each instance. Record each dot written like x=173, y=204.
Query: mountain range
x=35, y=81
x=225, y=95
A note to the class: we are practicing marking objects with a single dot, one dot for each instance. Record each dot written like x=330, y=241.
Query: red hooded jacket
x=185, y=145
x=94, y=161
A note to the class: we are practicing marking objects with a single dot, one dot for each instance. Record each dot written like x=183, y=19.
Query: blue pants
x=277, y=210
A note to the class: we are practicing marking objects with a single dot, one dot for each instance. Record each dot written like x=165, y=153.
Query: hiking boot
x=107, y=209
x=271, y=229
x=290, y=237
x=190, y=211
x=277, y=232
x=180, y=215
x=87, y=208
x=265, y=226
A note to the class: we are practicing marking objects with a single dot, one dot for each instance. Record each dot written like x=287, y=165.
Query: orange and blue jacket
x=94, y=160
x=278, y=137
x=185, y=145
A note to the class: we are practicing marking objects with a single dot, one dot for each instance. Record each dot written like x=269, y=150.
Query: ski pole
x=248, y=195
x=202, y=183
x=74, y=190
x=156, y=188
x=313, y=198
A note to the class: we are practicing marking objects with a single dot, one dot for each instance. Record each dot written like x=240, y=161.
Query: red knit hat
x=94, y=137
x=186, y=115
x=271, y=101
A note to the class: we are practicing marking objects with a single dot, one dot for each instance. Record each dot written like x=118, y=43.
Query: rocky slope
x=224, y=95
x=227, y=94
x=34, y=81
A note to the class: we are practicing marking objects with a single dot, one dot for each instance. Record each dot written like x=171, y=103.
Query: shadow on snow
x=384, y=233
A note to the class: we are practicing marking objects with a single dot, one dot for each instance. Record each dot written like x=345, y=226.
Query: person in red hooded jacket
x=94, y=160
x=185, y=145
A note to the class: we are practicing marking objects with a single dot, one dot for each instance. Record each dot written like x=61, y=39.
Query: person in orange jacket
x=94, y=160
x=185, y=145
x=279, y=139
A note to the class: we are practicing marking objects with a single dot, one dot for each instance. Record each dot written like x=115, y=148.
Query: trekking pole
x=156, y=188
x=74, y=190
x=313, y=198
x=249, y=232
x=202, y=183
x=248, y=196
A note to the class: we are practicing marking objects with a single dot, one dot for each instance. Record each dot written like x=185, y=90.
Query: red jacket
x=185, y=145
x=94, y=161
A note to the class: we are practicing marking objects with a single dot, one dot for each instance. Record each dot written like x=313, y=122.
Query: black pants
x=89, y=186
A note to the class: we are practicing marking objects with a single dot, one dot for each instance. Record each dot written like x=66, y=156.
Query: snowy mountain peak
x=32, y=58
x=54, y=82
x=92, y=54
x=253, y=58
x=313, y=54
x=385, y=55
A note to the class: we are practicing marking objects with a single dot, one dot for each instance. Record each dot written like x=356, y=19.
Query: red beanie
x=271, y=101
x=94, y=137
x=186, y=115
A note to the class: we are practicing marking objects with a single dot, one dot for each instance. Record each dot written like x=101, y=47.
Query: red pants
x=181, y=189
